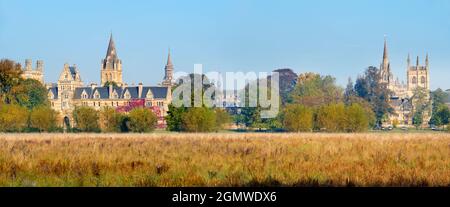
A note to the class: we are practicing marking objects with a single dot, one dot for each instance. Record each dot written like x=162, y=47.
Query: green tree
x=418, y=119
x=110, y=120
x=174, y=118
x=43, y=118
x=297, y=118
x=441, y=116
x=199, y=119
x=356, y=119
x=86, y=119
x=374, y=92
x=108, y=83
x=31, y=93
x=438, y=97
x=13, y=118
x=142, y=120
x=315, y=90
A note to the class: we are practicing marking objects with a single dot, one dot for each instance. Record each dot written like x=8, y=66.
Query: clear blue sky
x=339, y=38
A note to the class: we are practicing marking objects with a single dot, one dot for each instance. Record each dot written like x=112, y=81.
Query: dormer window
x=96, y=95
x=127, y=95
x=115, y=95
x=84, y=95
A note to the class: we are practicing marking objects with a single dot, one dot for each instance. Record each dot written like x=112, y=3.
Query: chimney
x=40, y=65
x=110, y=87
x=93, y=86
x=139, y=90
x=28, y=64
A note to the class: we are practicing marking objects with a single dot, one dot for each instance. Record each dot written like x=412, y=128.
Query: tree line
x=310, y=102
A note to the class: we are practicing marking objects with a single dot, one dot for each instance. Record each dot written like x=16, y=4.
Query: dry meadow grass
x=225, y=159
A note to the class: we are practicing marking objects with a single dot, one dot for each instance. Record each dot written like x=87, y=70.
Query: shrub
x=86, y=119
x=43, y=118
x=142, y=120
x=298, y=118
x=13, y=118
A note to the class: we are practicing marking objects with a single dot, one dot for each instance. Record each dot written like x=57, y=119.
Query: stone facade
x=402, y=96
x=37, y=74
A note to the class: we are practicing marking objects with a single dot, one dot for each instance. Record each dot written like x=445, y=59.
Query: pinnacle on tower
x=408, y=60
x=427, y=61
x=169, y=60
x=385, y=53
x=417, y=63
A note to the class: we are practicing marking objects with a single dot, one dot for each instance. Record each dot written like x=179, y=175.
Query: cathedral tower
x=111, y=70
x=418, y=75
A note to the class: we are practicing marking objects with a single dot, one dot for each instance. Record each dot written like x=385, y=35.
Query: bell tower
x=111, y=69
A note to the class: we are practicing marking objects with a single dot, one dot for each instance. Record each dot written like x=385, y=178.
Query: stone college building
x=70, y=91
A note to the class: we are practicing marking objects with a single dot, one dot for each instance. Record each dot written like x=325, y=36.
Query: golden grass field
x=225, y=159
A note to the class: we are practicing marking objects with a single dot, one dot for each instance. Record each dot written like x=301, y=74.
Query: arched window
x=414, y=80
x=422, y=80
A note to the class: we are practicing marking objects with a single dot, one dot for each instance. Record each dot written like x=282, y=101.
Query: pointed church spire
x=385, y=52
x=111, y=52
x=169, y=59
x=417, y=63
x=427, y=61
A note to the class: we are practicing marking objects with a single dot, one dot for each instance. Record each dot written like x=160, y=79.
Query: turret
x=28, y=63
x=40, y=65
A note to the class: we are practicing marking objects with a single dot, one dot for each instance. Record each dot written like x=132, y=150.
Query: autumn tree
x=199, y=119
x=297, y=118
x=331, y=118
x=142, y=120
x=43, y=118
x=13, y=118
x=356, y=118
x=86, y=119
x=9, y=78
x=110, y=120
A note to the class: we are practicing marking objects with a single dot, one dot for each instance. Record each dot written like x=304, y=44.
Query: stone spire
x=168, y=71
x=427, y=61
x=111, y=53
x=417, y=62
x=385, y=53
